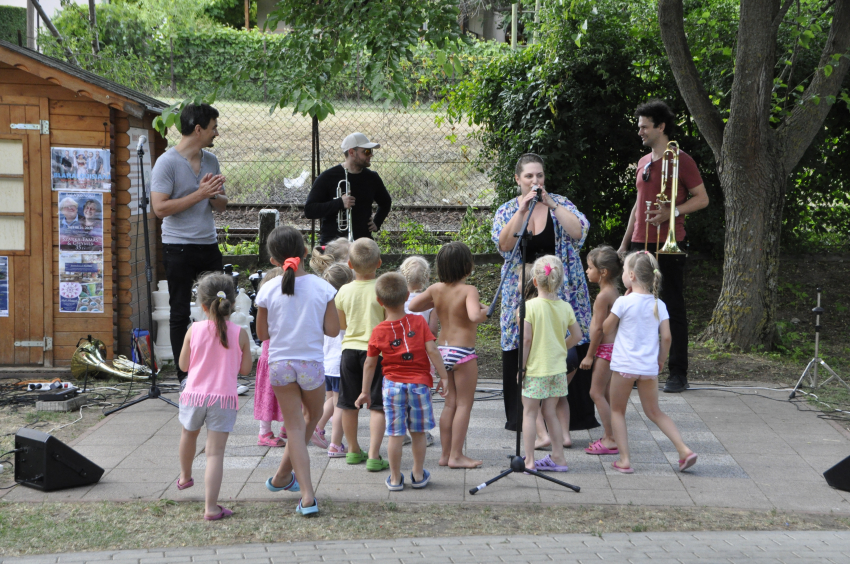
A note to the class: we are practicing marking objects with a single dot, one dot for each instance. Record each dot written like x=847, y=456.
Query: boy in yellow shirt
x=359, y=313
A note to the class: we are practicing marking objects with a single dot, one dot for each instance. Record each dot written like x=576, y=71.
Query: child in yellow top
x=550, y=330
x=359, y=313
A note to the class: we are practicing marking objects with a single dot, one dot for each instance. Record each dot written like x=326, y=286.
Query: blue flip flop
x=290, y=487
x=395, y=487
x=426, y=477
x=308, y=511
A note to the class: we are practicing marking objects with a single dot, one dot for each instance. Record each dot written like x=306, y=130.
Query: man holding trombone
x=342, y=196
x=649, y=222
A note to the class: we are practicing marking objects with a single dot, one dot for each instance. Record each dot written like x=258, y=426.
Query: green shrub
x=13, y=20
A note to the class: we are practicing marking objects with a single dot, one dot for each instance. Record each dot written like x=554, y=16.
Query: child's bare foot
x=464, y=462
x=542, y=444
x=568, y=441
x=444, y=461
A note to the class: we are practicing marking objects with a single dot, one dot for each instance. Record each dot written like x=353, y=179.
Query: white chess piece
x=161, y=315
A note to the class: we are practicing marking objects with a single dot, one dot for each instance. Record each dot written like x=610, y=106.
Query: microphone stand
x=517, y=464
x=153, y=392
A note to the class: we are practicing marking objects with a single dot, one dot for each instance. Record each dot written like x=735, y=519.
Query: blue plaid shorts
x=407, y=407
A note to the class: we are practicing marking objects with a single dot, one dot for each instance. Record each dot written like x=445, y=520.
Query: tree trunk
x=95, y=42
x=754, y=191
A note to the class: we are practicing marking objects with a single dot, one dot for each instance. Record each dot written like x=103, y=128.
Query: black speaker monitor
x=46, y=463
x=839, y=475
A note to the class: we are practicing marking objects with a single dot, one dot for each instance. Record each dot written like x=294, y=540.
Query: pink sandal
x=185, y=485
x=270, y=440
x=619, y=468
x=599, y=448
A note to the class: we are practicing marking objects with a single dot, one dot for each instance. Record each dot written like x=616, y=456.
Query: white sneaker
x=242, y=390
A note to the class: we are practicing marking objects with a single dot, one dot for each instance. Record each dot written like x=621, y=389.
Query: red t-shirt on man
x=689, y=178
x=402, y=344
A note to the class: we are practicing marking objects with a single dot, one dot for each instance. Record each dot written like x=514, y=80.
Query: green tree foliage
x=231, y=12
x=572, y=98
x=324, y=37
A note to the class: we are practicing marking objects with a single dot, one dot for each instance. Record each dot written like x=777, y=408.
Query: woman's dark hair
x=605, y=258
x=454, y=262
x=659, y=113
x=193, y=115
x=525, y=159
x=286, y=242
x=217, y=292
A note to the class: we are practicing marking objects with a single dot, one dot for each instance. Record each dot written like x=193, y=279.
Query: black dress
x=582, y=408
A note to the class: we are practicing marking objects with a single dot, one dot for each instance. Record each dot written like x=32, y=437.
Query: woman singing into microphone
x=559, y=229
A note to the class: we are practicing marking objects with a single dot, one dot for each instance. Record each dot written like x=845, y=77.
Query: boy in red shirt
x=408, y=349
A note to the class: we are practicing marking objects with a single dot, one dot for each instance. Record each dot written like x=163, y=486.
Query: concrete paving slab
x=654, y=497
x=752, y=452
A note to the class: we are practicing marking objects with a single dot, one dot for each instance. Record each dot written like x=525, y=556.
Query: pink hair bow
x=547, y=269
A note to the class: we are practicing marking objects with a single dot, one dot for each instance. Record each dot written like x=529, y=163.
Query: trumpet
x=343, y=217
x=670, y=174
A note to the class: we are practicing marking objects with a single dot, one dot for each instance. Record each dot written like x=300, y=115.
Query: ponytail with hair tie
x=291, y=263
x=221, y=296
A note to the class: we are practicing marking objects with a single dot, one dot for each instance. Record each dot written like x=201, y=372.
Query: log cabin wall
x=76, y=120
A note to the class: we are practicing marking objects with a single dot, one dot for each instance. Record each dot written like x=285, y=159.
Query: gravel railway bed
x=244, y=217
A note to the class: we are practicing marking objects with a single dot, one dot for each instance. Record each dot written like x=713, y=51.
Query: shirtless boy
x=459, y=311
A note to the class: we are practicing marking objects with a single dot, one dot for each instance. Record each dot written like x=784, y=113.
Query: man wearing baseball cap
x=364, y=187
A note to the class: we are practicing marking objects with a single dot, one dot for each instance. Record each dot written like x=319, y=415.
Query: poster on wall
x=135, y=181
x=80, y=169
x=80, y=221
x=81, y=282
x=4, y=286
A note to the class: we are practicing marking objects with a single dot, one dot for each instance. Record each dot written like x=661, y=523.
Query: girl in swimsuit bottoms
x=603, y=268
x=459, y=311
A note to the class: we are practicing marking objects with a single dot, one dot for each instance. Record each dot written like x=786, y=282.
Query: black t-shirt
x=366, y=187
x=543, y=243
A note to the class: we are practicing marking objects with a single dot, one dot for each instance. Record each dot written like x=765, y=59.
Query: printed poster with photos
x=81, y=282
x=80, y=221
x=4, y=286
x=80, y=169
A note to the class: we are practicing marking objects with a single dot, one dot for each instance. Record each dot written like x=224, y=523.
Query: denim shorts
x=331, y=383
x=407, y=407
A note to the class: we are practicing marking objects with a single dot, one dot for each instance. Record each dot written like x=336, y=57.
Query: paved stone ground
x=655, y=548
x=754, y=453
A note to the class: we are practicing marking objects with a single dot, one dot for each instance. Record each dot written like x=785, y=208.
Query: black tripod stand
x=153, y=392
x=517, y=462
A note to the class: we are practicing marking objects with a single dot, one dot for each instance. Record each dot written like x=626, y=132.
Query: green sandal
x=377, y=464
x=356, y=457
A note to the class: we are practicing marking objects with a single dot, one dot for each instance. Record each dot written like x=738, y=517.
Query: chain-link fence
x=267, y=158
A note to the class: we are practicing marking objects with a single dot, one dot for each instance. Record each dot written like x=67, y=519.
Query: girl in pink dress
x=266, y=408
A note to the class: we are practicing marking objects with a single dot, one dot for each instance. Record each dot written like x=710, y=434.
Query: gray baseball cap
x=358, y=140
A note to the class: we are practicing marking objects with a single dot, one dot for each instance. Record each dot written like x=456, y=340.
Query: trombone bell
x=670, y=175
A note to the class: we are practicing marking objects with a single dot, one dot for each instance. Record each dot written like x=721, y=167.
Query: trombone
x=670, y=174
x=343, y=217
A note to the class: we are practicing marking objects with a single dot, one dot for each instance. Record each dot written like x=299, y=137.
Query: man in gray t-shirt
x=186, y=188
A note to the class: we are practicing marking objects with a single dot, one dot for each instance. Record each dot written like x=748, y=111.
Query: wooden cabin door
x=26, y=245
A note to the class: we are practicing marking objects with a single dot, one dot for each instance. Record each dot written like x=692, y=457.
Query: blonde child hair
x=364, y=255
x=647, y=274
x=417, y=273
x=324, y=256
x=337, y=274
x=548, y=271
x=217, y=292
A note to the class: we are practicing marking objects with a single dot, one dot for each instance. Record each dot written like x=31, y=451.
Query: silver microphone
x=142, y=140
x=538, y=189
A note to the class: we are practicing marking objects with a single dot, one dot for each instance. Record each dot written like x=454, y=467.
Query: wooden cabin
x=50, y=110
